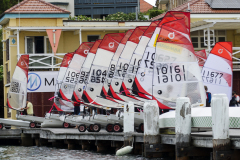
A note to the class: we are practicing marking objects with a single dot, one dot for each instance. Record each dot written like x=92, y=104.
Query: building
x=64, y=4
x=169, y=4
x=24, y=32
x=145, y=6
x=214, y=22
x=100, y=8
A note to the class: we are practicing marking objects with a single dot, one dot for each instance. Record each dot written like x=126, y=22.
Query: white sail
x=218, y=78
x=122, y=66
x=72, y=73
x=98, y=73
x=17, y=93
x=62, y=70
x=176, y=71
x=84, y=73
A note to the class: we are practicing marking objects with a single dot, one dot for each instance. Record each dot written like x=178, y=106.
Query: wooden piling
x=182, y=127
x=220, y=127
x=151, y=126
x=26, y=139
x=128, y=123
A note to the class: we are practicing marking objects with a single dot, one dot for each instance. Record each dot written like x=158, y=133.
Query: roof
x=35, y=6
x=199, y=6
x=224, y=4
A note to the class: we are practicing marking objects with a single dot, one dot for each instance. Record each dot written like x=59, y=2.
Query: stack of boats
x=155, y=62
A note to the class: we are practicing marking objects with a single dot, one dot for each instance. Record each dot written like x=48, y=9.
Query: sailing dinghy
x=98, y=72
x=17, y=94
x=218, y=78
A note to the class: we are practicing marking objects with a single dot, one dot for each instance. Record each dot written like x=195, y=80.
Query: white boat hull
x=17, y=123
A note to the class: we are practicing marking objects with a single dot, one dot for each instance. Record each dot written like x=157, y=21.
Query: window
x=92, y=38
x=197, y=38
x=37, y=45
x=7, y=49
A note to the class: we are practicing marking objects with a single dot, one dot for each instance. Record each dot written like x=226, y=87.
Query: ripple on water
x=49, y=153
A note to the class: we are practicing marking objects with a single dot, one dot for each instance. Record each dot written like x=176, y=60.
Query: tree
x=6, y=4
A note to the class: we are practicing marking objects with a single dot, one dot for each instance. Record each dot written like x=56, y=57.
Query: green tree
x=120, y=16
x=6, y=4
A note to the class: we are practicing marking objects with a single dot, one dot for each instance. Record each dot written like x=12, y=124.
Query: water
x=51, y=153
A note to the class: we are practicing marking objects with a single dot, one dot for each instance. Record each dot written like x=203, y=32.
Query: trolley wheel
x=32, y=125
x=82, y=128
x=66, y=125
x=1, y=126
x=141, y=128
x=8, y=127
x=109, y=127
x=117, y=127
x=96, y=127
x=90, y=128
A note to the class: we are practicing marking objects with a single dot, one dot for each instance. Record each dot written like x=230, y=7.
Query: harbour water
x=51, y=153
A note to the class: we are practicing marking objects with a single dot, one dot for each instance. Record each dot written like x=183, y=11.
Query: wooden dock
x=201, y=142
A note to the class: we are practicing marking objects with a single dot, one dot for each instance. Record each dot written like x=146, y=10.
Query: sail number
x=72, y=77
x=171, y=74
x=83, y=77
x=15, y=87
x=212, y=77
x=98, y=76
x=111, y=70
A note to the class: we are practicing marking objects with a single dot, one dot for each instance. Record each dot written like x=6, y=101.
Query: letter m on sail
x=32, y=82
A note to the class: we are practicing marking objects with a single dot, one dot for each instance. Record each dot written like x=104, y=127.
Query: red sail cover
x=110, y=41
x=17, y=93
x=84, y=48
x=66, y=59
x=201, y=57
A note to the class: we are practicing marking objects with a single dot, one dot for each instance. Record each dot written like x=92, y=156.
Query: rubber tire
x=84, y=128
x=117, y=127
x=109, y=127
x=8, y=127
x=141, y=128
x=96, y=127
x=66, y=125
x=32, y=125
x=90, y=128
x=1, y=126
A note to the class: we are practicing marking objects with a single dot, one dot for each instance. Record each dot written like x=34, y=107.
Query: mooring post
x=151, y=127
x=128, y=123
x=182, y=127
x=220, y=127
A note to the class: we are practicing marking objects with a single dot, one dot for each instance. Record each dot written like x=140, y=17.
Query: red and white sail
x=176, y=71
x=98, y=73
x=84, y=73
x=17, y=94
x=122, y=65
x=201, y=57
x=72, y=73
x=142, y=85
x=62, y=70
x=217, y=70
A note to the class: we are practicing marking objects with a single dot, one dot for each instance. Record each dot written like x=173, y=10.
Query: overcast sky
x=152, y=2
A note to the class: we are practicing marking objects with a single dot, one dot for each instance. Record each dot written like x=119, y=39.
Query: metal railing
x=45, y=60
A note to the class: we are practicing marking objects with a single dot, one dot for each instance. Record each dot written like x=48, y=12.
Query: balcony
x=45, y=61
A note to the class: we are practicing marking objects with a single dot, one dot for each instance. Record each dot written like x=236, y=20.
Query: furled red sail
x=217, y=70
x=17, y=93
